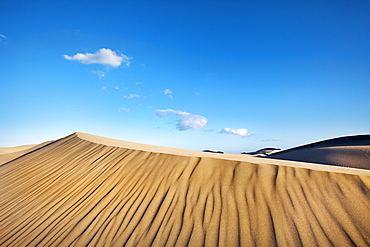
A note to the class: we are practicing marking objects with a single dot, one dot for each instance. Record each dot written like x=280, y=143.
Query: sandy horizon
x=88, y=190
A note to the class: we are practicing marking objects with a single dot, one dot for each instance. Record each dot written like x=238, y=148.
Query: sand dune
x=14, y=149
x=349, y=151
x=8, y=154
x=85, y=190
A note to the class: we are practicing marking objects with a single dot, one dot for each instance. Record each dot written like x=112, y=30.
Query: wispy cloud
x=185, y=120
x=239, y=132
x=102, y=56
x=2, y=38
x=124, y=109
x=131, y=96
x=271, y=140
x=100, y=73
x=168, y=92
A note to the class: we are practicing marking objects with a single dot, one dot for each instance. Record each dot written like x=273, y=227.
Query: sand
x=86, y=190
x=10, y=153
x=350, y=151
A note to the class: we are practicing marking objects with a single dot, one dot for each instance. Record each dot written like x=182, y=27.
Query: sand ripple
x=74, y=192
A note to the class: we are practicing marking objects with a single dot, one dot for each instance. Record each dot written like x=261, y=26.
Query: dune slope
x=78, y=192
x=8, y=154
x=348, y=151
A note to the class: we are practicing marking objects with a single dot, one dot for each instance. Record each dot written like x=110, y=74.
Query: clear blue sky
x=226, y=75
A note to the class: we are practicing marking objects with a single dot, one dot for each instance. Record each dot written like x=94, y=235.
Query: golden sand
x=85, y=190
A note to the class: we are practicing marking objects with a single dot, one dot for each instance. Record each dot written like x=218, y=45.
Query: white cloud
x=185, y=120
x=168, y=92
x=2, y=38
x=99, y=73
x=239, y=132
x=124, y=109
x=103, y=56
x=271, y=140
x=131, y=96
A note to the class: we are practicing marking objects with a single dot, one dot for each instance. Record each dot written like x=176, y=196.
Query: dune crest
x=85, y=190
x=347, y=151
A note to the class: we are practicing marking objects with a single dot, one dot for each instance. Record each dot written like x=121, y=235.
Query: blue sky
x=226, y=75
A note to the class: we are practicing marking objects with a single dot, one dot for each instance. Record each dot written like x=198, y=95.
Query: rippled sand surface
x=84, y=190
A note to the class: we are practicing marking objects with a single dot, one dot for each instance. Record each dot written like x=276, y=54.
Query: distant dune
x=349, y=151
x=87, y=190
x=8, y=154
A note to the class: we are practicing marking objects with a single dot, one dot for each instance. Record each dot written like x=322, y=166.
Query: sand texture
x=83, y=190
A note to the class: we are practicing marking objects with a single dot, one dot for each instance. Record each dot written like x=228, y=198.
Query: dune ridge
x=225, y=156
x=83, y=190
x=348, y=151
